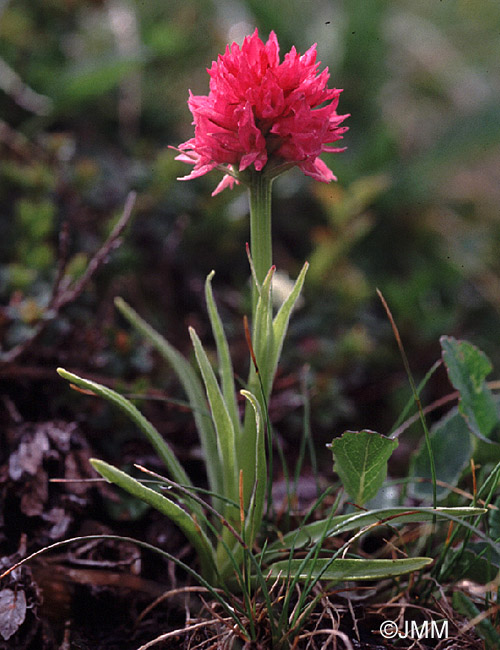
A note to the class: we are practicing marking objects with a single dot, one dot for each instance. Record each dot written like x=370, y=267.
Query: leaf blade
x=160, y=445
x=338, y=524
x=467, y=368
x=226, y=372
x=221, y=419
x=167, y=507
x=340, y=570
x=192, y=387
x=361, y=462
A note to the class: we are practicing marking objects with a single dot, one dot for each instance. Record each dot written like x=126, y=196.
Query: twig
x=100, y=258
x=24, y=96
x=61, y=294
x=174, y=633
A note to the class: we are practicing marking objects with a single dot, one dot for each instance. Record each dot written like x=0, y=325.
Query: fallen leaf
x=12, y=611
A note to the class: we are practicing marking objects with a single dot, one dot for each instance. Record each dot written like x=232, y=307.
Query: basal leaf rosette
x=263, y=115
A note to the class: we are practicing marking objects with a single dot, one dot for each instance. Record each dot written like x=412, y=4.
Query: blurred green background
x=92, y=93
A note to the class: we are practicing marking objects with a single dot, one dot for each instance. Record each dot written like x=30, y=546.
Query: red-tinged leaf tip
x=249, y=343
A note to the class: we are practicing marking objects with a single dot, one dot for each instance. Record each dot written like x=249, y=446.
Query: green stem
x=259, y=186
x=260, y=226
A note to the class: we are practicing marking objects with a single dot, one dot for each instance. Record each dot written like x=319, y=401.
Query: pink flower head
x=262, y=112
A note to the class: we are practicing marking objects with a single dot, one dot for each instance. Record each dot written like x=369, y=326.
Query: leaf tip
x=62, y=372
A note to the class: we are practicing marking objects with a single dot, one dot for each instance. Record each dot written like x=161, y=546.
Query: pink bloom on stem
x=260, y=111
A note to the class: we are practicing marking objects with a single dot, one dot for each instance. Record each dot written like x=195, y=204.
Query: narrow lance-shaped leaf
x=282, y=318
x=263, y=334
x=226, y=372
x=311, y=533
x=180, y=517
x=160, y=445
x=467, y=369
x=340, y=570
x=268, y=338
x=260, y=482
x=192, y=386
x=221, y=418
x=361, y=462
x=255, y=506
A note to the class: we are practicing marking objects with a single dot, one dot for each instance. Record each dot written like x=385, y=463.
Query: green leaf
x=257, y=493
x=262, y=338
x=259, y=488
x=452, y=449
x=346, y=569
x=221, y=419
x=361, y=462
x=476, y=561
x=282, y=318
x=180, y=517
x=338, y=524
x=467, y=369
x=226, y=373
x=192, y=387
x=484, y=627
x=268, y=338
x=161, y=447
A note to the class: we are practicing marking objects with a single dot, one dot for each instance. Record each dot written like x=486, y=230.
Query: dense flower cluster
x=261, y=111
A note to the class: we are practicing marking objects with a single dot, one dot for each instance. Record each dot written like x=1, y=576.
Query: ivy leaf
x=361, y=462
x=467, y=369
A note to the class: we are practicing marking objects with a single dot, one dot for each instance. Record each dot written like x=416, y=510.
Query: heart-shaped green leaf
x=361, y=462
x=452, y=449
x=467, y=369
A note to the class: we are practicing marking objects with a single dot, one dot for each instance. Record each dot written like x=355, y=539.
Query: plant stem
x=260, y=227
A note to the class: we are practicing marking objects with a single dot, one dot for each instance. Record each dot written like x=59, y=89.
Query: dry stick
x=331, y=634
x=61, y=295
x=100, y=257
x=174, y=633
x=169, y=594
x=61, y=264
